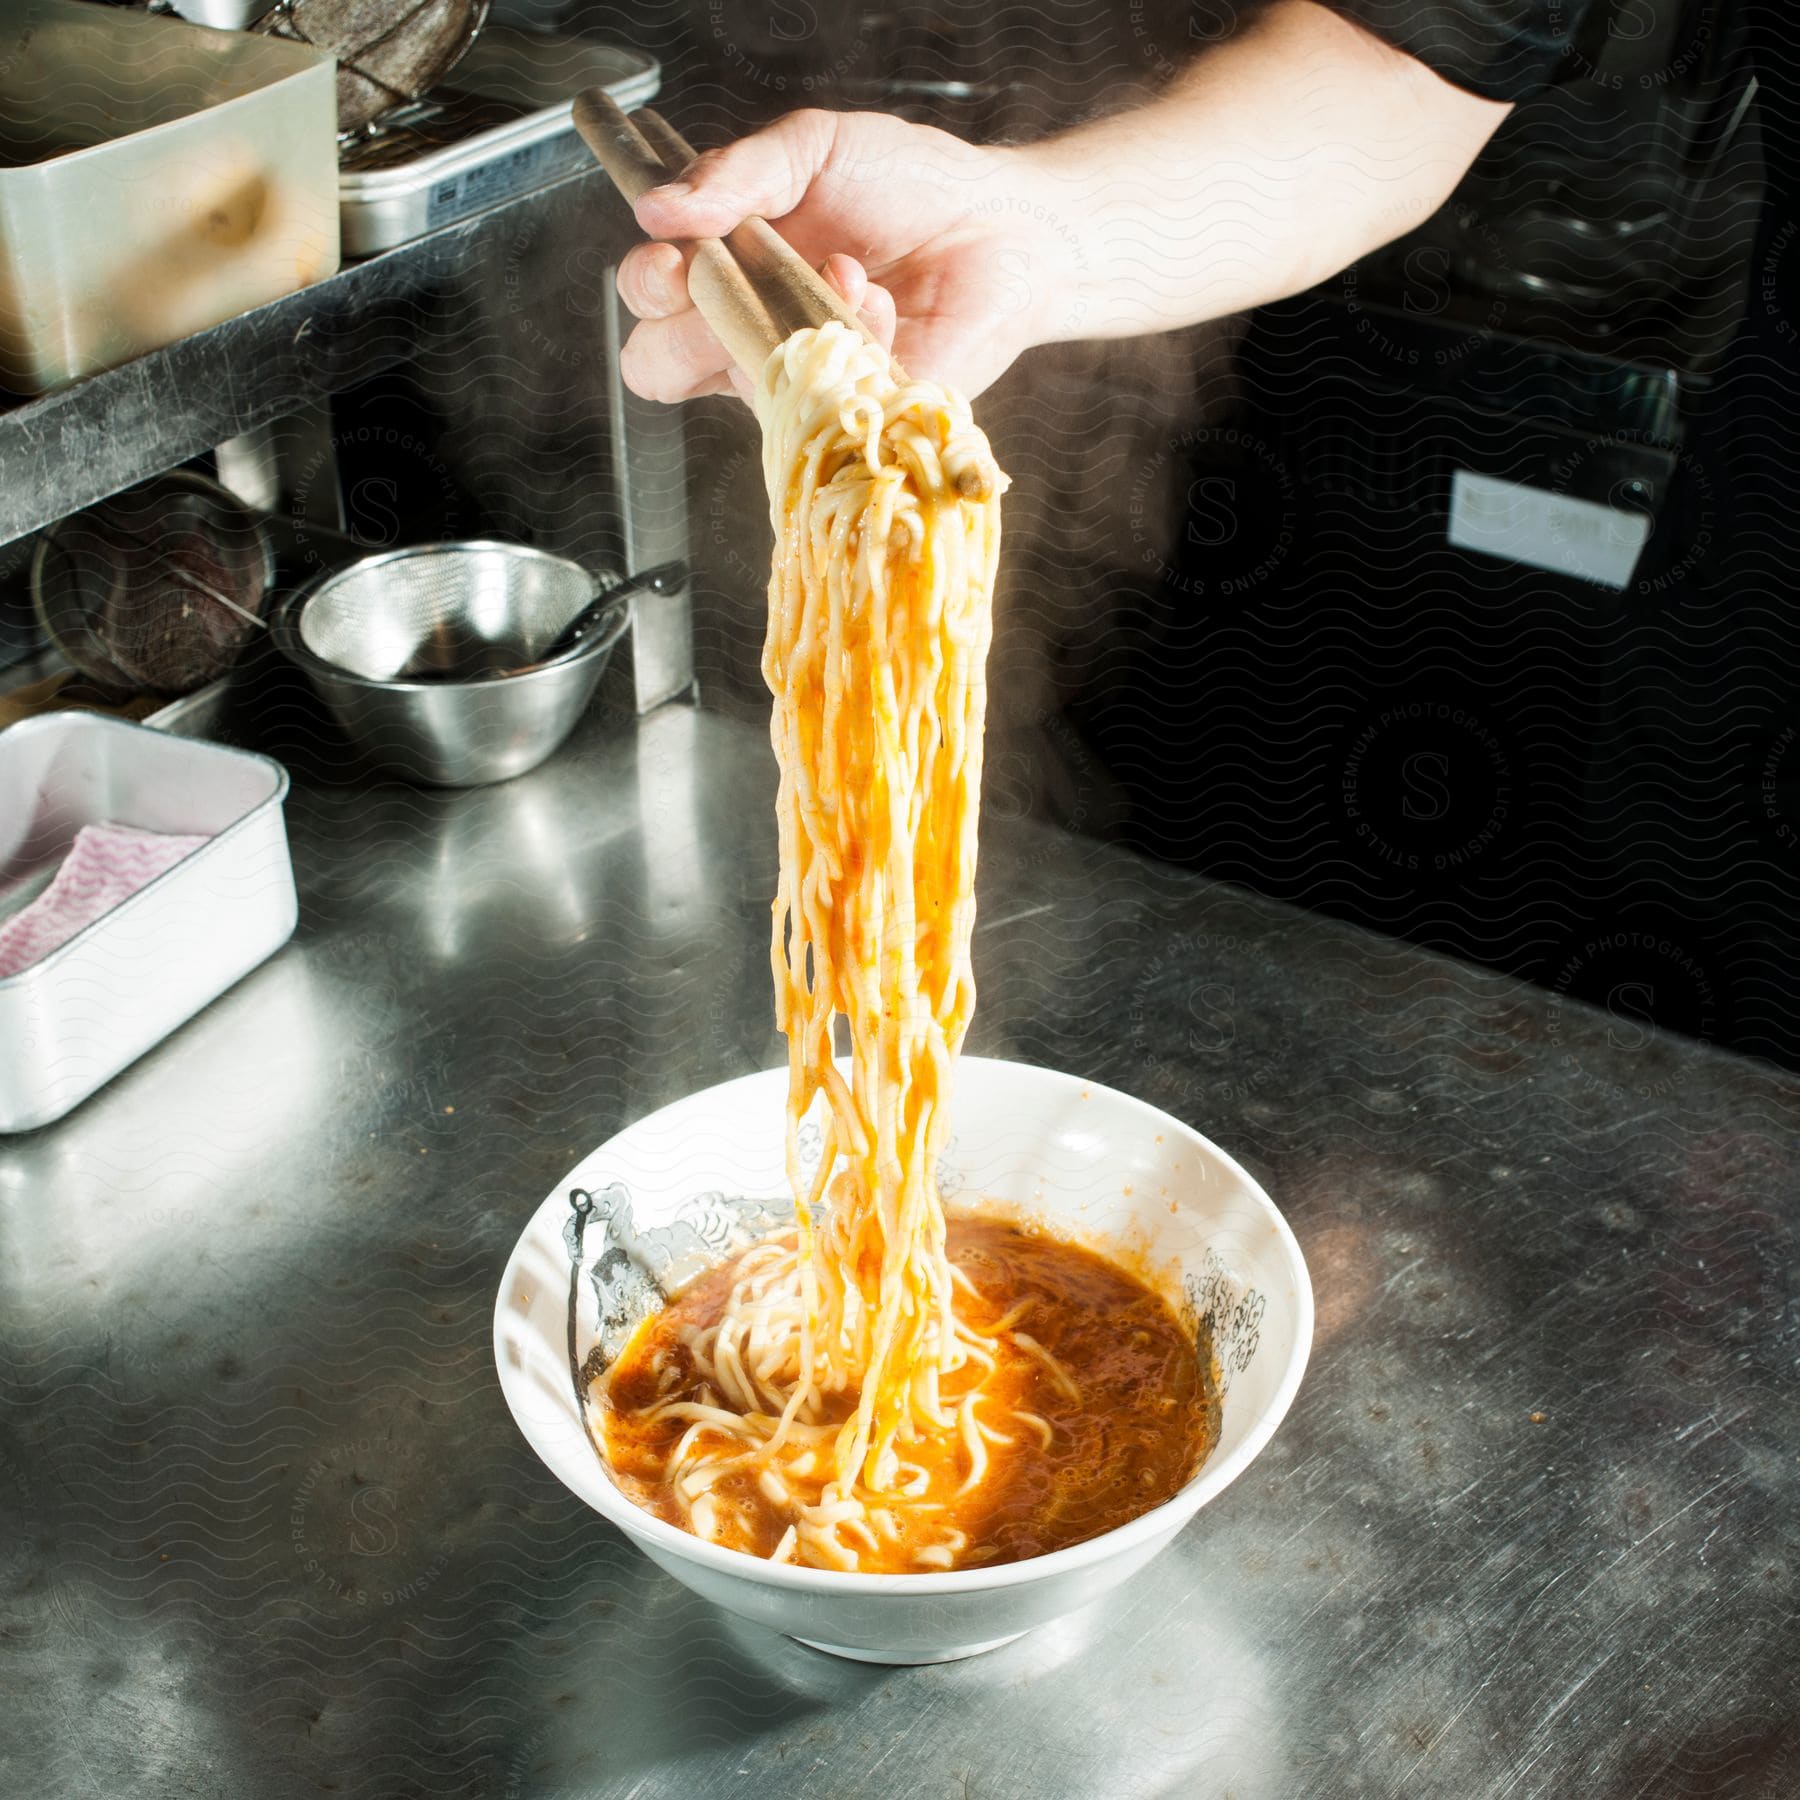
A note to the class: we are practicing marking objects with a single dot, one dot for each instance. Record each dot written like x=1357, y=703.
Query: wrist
x=1049, y=252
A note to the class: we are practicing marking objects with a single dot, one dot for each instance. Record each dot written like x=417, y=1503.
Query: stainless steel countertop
x=267, y=1529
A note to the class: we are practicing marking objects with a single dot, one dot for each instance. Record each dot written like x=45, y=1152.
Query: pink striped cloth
x=105, y=866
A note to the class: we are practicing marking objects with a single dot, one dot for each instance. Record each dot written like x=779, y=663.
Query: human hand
x=933, y=240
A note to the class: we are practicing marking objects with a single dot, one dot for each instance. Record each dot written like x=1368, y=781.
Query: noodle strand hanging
x=842, y=1395
x=880, y=611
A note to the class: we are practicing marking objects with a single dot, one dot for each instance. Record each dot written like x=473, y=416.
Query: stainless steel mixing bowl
x=429, y=658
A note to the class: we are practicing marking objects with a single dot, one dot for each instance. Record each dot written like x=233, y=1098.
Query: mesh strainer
x=157, y=589
x=444, y=612
x=388, y=51
x=433, y=660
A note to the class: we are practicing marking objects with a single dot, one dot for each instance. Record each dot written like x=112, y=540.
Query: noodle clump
x=838, y=1355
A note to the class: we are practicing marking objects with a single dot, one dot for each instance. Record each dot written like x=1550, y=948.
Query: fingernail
x=672, y=190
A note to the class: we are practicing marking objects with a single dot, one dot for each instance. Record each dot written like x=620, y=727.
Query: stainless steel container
x=74, y=1019
x=222, y=15
x=406, y=649
x=155, y=178
x=538, y=73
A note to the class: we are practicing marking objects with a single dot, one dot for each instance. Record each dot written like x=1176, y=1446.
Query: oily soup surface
x=1128, y=1412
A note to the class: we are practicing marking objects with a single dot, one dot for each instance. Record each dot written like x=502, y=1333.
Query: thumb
x=766, y=173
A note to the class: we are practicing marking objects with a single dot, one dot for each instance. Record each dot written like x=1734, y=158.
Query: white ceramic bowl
x=1089, y=1159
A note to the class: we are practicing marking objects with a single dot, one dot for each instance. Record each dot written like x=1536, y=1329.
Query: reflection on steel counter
x=263, y=1514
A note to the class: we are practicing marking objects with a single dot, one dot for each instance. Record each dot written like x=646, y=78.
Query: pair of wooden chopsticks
x=751, y=286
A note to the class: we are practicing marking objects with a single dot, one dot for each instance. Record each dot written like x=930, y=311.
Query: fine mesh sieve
x=157, y=589
x=388, y=51
x=458, y=664
x=444, y=612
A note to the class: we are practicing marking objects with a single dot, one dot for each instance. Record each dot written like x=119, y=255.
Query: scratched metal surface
x=67, y=449
x=268, y=1530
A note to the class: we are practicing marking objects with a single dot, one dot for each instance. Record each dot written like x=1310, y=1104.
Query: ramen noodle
x=847, y=1381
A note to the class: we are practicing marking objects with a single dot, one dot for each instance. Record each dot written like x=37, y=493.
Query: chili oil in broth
x=1143, y=1414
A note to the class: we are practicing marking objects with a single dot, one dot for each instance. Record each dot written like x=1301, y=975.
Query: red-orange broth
x=1147, y=1417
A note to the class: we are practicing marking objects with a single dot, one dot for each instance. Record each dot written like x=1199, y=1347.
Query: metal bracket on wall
x=287, y=467
x=650, y=475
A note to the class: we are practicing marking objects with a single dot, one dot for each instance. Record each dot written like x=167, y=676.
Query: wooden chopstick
x=752, y=287
x=794, y=292
x=720, y=288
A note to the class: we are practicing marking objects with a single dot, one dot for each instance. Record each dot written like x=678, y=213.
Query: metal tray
x=73, y=1020
x=536, y=72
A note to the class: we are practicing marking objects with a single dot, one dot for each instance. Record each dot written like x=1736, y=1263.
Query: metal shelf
x=68, y=449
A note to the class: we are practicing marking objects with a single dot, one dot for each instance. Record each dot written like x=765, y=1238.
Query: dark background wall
x=1595, y=788
x=1232, y=629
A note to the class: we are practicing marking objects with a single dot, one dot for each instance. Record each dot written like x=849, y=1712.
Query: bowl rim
x=1163, y=1520
x=284, y=621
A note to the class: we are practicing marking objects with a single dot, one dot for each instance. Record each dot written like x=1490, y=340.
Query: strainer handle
x=662, y=579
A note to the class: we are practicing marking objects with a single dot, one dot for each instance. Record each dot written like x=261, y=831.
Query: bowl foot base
x=909, y=1656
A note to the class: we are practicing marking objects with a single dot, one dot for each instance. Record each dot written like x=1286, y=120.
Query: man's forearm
x=1268, y=164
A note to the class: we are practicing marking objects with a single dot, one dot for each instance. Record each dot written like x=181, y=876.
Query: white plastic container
x=156, y=178
x=74, y=1019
